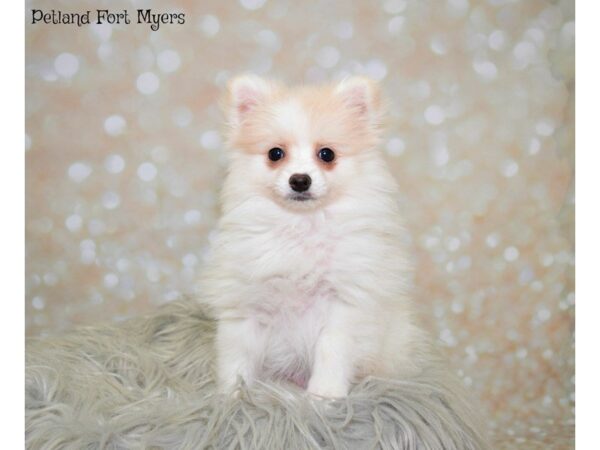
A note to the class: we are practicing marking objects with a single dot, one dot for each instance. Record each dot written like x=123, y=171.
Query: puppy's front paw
x=227, y=388
x=232, y=384
x=327, y=388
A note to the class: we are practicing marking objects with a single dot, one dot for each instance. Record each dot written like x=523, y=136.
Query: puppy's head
x=301, y=147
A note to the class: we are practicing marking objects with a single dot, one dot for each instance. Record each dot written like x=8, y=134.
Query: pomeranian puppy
x=308, y=274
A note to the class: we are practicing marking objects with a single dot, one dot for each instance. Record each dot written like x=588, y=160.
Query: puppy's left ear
x=362, y=97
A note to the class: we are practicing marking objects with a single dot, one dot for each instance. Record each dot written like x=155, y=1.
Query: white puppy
x=308, y=274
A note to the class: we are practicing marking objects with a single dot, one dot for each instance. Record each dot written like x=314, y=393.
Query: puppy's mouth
x=301, y=197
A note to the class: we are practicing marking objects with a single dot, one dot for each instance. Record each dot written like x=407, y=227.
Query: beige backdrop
x=124, y=160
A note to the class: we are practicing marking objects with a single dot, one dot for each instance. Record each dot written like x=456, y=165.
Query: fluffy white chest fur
x=308, y=273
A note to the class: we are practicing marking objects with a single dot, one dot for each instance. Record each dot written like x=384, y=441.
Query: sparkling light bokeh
x=125, y=158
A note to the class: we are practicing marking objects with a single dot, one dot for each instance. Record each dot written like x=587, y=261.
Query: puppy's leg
x=237, y=342
x=333, y=366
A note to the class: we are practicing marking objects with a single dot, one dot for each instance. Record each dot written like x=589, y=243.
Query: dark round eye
x=275, y=154
x=326, y=154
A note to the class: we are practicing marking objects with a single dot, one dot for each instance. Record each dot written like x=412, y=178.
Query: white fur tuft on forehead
x=246, y=92
x=291, y=118
x=361, y=95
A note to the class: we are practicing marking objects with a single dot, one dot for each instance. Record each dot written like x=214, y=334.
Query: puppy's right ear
x=245, y=94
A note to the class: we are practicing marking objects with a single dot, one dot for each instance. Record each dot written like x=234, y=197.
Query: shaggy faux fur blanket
x=148, y=383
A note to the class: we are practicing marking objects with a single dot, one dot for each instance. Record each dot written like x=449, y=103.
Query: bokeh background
x=124, y=161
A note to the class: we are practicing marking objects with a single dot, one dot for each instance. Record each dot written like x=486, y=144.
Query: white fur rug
x=148, y=383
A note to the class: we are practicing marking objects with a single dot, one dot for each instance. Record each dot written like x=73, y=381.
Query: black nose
x=300, y=182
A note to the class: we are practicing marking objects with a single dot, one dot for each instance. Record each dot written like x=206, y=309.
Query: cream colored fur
x=310, y=291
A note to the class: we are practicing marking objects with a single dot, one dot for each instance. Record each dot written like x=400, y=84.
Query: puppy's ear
x=246, y=93
x=362, y=97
